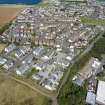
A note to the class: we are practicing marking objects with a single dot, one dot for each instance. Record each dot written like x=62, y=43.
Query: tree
x=2, y=29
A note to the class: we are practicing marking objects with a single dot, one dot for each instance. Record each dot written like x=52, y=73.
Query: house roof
x=43, y=74
x=38, y=50
x=90, y=99
x=2, y=60
x=10, y=47
x=78, y=80
x=22, y=69
x=101, y=93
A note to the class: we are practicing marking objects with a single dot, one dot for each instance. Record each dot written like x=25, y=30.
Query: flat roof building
x=100, y=99
x=91, y=98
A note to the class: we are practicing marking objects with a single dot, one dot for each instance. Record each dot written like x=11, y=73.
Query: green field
x=13, y=93
x=99, y=48
x=92, y=21
x=101, y=76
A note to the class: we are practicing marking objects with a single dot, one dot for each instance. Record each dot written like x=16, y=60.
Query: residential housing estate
x=46, y=41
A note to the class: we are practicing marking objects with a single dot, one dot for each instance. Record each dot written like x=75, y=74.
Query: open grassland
x=8, y=12
x=13, y=93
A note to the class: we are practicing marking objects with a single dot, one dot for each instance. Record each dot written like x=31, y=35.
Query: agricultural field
x=9, y=12
x=13, y=93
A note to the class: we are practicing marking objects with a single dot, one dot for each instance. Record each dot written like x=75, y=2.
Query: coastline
x=21, y=2
x=9, y=11
x=13, y=5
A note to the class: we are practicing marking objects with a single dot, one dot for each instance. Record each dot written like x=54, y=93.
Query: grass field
x=13, y=93
x=92, y=21
x=8, y=12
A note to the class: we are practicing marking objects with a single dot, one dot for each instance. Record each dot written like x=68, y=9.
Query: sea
x=29, y=2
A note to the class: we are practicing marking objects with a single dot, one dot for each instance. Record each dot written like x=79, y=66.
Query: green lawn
x=99, y=48
x=31, y=72
x=101, y=76
x=92, y=21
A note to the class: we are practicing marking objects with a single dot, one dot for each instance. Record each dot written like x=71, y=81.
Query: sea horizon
x=27, y=2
